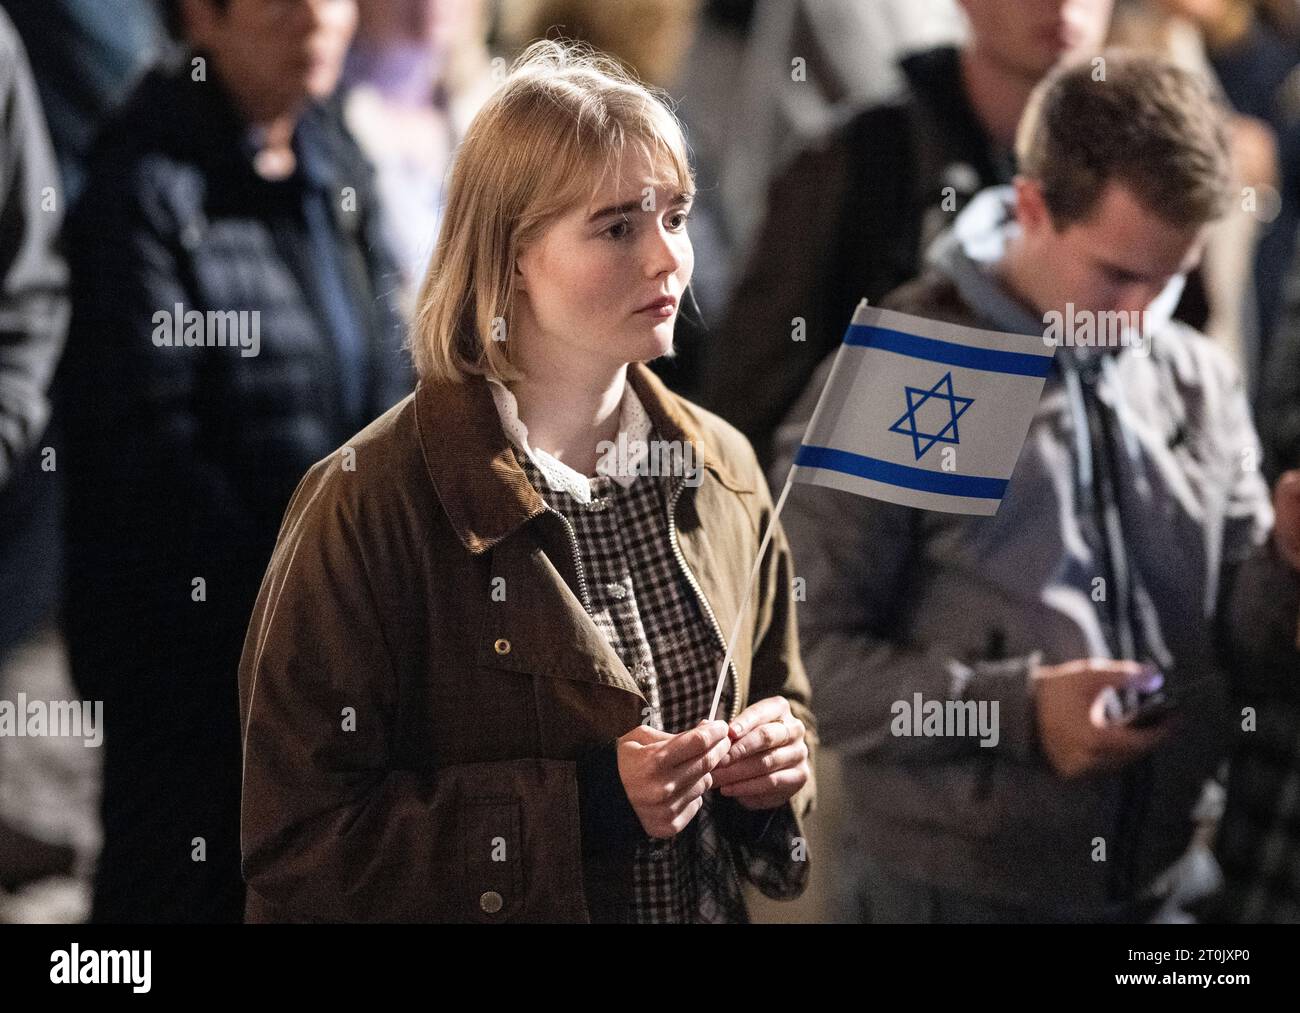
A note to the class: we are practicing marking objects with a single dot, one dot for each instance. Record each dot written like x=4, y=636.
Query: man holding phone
x=1136, y=539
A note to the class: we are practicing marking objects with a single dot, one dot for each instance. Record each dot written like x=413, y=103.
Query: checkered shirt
x=645, y=607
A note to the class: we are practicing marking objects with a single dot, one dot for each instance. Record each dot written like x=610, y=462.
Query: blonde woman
x=475, y=682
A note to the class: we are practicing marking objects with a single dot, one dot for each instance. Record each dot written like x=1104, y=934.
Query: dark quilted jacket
x=180, y=461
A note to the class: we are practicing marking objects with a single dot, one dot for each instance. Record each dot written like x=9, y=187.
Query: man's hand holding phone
x=1073, y=740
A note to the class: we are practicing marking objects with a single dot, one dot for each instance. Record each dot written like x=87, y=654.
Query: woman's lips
x=660, y=308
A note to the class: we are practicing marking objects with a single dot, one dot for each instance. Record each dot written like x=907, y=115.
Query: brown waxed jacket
x=419, y=735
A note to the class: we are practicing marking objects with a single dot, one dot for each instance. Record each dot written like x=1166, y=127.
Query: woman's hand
x=768, y=759
x=665, y=776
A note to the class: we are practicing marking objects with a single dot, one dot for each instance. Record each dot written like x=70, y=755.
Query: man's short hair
x=1132, y=119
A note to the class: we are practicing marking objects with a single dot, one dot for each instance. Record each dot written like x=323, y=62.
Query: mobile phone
x=1152, y=709
x=1140, y=704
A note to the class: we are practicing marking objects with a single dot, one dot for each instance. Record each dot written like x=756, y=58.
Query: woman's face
x=601, y=286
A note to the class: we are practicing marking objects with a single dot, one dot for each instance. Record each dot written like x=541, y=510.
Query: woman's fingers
x=763, y=763
x=673, y=774
x=771, y=708
x=680, y=821
x=701, y=765
x=669, y=823
x=765, y=736
x=767, y=763
x=781, y=782
x=689, y=745
x=697, y=789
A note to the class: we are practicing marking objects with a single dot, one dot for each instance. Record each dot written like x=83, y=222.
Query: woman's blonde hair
x=555, y=130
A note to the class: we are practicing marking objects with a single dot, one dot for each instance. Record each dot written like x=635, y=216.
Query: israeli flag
x=923, y=413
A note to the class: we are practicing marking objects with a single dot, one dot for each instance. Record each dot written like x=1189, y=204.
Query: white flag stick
x=749, y=593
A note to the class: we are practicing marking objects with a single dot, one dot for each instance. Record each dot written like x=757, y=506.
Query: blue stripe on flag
x=989, y=359
x=941, y=482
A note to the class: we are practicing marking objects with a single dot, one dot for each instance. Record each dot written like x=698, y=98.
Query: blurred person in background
x=762, y=81
x=1220, y=299
x=1253, y=47
x=1136, y=533
x=1258, y=841
x=87, y=56
x=33, y=318
x=850, y=217
x=416, y=74
x=1279, y=403
x=648, y=37
x=233, y=322
x=705, y=88
x=805, y=69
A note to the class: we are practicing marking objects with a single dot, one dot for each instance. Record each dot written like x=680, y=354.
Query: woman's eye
x=678, y=219
x=619, y=229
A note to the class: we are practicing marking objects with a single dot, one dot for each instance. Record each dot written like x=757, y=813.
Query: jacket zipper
x=699, y=593
x=681, y=561
x=577, y=558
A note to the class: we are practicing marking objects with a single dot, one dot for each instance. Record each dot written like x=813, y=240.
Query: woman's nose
x=664, y=255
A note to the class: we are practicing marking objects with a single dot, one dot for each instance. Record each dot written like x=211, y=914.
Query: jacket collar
x=481, y=487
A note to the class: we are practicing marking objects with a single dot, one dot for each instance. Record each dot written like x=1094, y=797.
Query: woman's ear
x=521, y=269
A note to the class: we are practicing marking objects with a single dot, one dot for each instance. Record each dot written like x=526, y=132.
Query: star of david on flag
x=916, y=400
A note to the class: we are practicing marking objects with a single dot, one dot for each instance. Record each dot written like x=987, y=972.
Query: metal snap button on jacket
x=491, y=902
x=502, y=646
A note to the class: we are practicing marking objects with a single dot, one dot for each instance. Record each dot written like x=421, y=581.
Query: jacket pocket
x=492, y=850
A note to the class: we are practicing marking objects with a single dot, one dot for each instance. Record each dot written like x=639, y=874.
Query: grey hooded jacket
x=903, y=601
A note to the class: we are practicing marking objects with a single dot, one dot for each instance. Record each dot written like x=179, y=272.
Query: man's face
x=1028, y=37
x=274, y=54
x=1119, y=259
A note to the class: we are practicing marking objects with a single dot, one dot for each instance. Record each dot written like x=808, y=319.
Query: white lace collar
x=633, y=424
